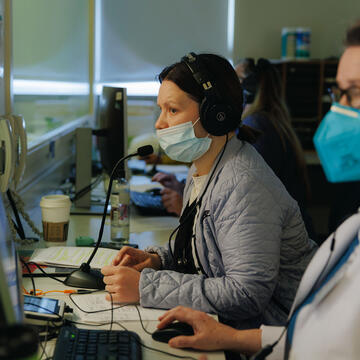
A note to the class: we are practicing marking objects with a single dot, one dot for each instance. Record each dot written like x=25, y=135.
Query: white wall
x=258, y=25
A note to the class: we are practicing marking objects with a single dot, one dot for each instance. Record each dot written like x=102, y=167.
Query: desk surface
x=144, y=231
x=45, y=283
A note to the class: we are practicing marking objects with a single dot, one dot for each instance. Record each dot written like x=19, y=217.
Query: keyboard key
x=82, y=344
x=147, y=203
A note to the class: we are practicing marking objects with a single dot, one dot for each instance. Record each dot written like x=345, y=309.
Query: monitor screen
x=11, y=310
x=112, y=138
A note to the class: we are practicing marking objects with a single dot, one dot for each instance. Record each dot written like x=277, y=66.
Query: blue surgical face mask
x=180, y=143
x=337, y=142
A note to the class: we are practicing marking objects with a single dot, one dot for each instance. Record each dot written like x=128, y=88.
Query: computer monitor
x=112, y=136
x=11, y=309
x=111, y=139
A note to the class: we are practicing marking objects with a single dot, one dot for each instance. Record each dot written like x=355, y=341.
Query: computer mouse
x=154, y=191
x=172, y=330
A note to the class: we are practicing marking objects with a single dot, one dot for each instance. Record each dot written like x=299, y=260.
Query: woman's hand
x=169, y=181
x=172, y=201
x=137, y=259
x=122, y=282
x=209, y=334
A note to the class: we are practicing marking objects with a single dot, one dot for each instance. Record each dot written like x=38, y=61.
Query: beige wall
x=258, y=25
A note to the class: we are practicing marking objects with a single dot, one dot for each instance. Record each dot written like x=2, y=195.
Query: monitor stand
x=84, y=205
x=83, y=138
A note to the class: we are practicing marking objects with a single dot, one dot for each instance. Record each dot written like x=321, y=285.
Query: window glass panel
x=139, y=38
x=50, y=62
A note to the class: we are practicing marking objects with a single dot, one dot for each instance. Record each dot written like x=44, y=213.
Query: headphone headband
x=199, y=73
x=216, y=116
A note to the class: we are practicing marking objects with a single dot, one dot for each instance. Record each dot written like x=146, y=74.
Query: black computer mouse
x=154, y=191
x=172, y=330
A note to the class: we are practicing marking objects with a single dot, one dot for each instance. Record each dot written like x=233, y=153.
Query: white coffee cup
x=55, y=211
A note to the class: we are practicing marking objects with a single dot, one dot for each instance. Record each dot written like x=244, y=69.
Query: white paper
x=72, y=256
x=97, y=301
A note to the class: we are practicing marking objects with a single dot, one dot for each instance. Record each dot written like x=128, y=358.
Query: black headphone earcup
x=218, y=119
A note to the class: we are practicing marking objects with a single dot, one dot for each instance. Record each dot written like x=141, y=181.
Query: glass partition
x=50, y=63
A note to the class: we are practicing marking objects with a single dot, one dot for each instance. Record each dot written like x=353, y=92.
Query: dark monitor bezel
x=112, y=121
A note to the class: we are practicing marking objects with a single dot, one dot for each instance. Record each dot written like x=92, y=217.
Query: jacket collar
x=233, y=146
x=343, y=235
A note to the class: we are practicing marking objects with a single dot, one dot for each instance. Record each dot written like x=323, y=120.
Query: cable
x=141, y=322
x=122, y=326
x=29, y=271
x=19, y=226
x=45, y=273
x=95, y=311
x=43, y=346
x=198, y=202
x=86, y=189
x=98, y=324
x=20, y=205
x=112, y=311
x=39, y=292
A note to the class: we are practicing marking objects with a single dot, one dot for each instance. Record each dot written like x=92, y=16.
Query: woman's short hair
x=225, y=81
x=221, y=74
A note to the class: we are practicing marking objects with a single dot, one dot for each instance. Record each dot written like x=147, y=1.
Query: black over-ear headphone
x=216, y=117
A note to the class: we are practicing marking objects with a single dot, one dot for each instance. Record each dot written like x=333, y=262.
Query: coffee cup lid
x=55, y=201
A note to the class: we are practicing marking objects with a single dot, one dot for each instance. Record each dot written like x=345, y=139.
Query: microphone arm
x=86, y=277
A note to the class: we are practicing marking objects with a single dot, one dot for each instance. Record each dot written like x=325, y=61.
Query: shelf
x=305, y=85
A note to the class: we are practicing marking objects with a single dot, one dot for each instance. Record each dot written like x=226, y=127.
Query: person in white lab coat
x=324, y=322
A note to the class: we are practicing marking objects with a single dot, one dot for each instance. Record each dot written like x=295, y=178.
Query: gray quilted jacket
x=250, y=240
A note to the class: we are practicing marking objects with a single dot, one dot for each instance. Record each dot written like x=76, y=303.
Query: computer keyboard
x=83, y=344
x=147, y=203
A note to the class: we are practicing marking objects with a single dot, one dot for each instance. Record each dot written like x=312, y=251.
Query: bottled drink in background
x=120, y=210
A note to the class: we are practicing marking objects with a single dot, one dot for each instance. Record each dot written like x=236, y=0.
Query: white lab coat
x=328, y=327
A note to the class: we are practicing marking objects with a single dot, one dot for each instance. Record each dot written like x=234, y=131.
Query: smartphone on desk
x=40, y=310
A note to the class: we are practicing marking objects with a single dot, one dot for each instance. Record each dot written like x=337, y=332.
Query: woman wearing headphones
x=241, y=245
x=265, y=110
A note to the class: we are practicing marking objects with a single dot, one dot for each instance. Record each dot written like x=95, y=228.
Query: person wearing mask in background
x=324, y=321
x=266, y=111
x=241, y=245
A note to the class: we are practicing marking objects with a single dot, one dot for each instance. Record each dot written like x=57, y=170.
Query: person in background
x=243, y=68
x=241, y=244
x=173, y=189
x=325, y=316
x=172, y=194
x=266, y=111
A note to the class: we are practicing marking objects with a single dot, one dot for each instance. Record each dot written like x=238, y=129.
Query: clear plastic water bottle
x=120, y=210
